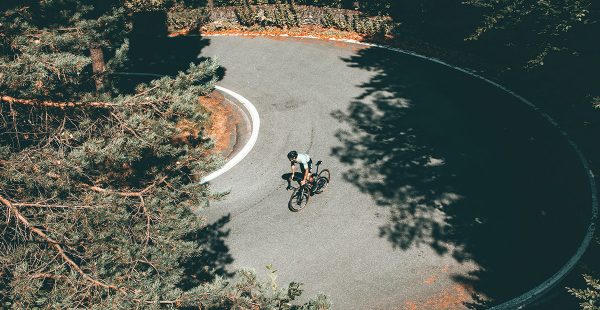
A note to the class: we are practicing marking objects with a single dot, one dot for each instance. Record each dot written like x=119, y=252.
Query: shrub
x=590, y=296
x=246, y=15
x=278, y=15
x=282, y=16
x=370, y=26
x=184, y=18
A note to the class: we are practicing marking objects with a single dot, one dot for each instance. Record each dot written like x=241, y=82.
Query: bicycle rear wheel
x=299, y=199
x=322, y=181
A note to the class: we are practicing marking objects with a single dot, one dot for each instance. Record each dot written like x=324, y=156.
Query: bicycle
x=301, y=194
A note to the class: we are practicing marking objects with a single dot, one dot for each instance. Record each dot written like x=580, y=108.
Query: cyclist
x=305, y=163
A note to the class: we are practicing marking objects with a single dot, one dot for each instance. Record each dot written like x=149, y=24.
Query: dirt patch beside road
x=308, y=30
x=223, y=123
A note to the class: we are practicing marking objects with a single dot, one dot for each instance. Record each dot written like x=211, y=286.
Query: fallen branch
x=108, y=191
x=53, y=104
x=39, y=205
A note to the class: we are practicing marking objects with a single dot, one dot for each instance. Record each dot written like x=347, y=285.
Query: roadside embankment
x=234, y=126
x=229, y=126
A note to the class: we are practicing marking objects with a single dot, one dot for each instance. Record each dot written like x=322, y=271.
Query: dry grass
x=222, y=122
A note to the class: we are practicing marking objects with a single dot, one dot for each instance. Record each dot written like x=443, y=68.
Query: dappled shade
x=464, y=168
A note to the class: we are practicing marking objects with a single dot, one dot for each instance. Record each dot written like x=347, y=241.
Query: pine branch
x=161, y=302
x=47, y=276
x=142, y=93
x=69, y=29
x=49, y=206
x=128, y=128
x=122, y=194
x=53, y=104
x=177, y=303
x=128, y=194
x=140, y=195
x=147, y=215
x=20, y=218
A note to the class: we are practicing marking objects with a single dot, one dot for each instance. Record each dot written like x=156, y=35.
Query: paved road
x=442, y=185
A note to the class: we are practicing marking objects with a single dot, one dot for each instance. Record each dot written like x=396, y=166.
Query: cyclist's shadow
x=297, y=177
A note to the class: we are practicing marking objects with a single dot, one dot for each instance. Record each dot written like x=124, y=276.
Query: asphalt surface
x=442, y=186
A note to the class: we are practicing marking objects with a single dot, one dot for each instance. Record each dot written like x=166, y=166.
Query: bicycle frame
x=314, y=175
x=301, y=194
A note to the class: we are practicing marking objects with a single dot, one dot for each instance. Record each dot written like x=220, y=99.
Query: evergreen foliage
x=97, y=184
x=590, y=296
x=559, y=33
x=372, y=27
x=181, y=17
x=282, y=15
x=146, y=5
x=285, y=15
x=371, y=7
x=544, y=25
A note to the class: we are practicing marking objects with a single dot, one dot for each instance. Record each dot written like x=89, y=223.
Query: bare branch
x=108, y=191
x=39, y=205
x=140, y=195
x=128, y=128
x=53, y=104
x=20, y=218
x=14, y=117
x=142, y=93
x=47, y=276
x=128, y=194
x=159, y=302
x=147, y=221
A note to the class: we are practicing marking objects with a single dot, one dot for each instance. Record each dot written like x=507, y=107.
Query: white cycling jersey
x=302, y=159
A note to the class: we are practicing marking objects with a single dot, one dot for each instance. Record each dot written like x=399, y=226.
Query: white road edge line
x=249, y=145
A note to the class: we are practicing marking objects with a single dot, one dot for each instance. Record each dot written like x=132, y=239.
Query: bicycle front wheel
x=299, y=199
x=322, y=181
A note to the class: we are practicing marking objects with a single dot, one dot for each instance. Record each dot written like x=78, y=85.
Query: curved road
x=443, y=188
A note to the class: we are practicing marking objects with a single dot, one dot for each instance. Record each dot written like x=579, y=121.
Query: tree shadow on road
x=152, y=51
x=153, y=54
x=214, y=255
x=466, y=169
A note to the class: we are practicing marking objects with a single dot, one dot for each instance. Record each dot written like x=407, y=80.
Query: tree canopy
x=540, y=27
x=97, y=183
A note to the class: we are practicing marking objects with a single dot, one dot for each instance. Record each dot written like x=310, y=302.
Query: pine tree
x=590, y=296
x=543, y=27
x=97, y=184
